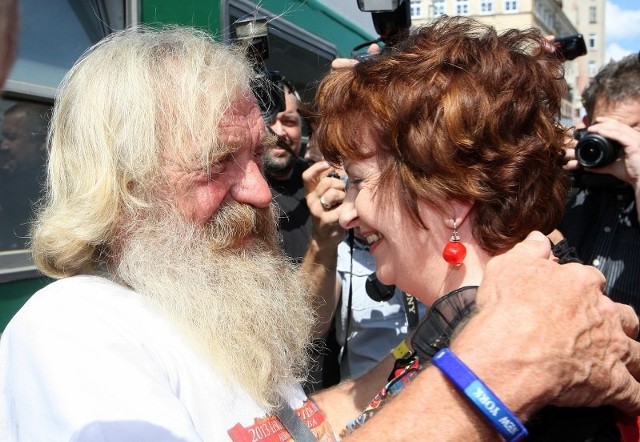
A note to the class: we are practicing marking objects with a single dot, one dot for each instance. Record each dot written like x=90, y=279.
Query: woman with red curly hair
x=452, y=143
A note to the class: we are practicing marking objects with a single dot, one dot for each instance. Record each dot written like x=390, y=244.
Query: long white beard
x=230, y=289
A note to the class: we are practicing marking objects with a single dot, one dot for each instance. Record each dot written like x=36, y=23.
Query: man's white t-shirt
x=89, y=360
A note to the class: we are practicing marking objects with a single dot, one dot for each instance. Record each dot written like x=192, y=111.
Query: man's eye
x=218, y=166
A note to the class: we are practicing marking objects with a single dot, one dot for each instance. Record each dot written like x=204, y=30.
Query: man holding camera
x=283, y=168
x=601, y=220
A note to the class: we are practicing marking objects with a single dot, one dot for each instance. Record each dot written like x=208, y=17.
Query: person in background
x=22, y=159
x=283, y=169
x=447, y=172
x=175, y=315
x=601, y=218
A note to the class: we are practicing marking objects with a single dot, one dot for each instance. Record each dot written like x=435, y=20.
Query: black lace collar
x=445, y=315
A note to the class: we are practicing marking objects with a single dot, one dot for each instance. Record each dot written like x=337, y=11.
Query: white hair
x=135, y=98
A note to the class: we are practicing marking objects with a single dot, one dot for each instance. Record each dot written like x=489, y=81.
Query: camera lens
x=594, y=150
x=590, y=153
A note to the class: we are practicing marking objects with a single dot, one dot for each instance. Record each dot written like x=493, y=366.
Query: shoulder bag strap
x=294, y=424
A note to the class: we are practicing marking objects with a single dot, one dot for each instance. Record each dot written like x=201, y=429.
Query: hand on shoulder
x=550, y=335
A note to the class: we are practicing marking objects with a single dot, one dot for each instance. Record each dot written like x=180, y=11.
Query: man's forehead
x=242, y=123
x=626, y=111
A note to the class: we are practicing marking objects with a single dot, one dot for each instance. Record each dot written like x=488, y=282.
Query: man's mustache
x=234, y=223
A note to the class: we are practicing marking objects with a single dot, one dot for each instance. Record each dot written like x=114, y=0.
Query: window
x=593, y=41
x=416, y=8
x=437, y=8
x=511, y=6
x=303, y=58
x=486, y=7
x=462, y=7
x=23, y=145
x=592, y=14
x=592, y=68
x=41, y=62
x=544, y=15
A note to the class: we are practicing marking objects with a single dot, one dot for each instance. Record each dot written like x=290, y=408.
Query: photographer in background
x=283, y=169
x=601, y=218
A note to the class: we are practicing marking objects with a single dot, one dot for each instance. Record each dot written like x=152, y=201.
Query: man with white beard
x=176, y=318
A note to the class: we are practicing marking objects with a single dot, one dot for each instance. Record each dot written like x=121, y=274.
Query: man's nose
x=277, y=126
x=252, y=188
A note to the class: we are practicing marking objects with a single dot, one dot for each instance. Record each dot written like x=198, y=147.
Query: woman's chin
x=384, y=277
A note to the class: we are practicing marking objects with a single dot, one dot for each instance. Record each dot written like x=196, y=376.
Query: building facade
x=553, y=17
x=588, y=16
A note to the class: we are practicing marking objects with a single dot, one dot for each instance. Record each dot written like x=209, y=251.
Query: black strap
x=294, y=425
x=411, y=310
x=344, y=360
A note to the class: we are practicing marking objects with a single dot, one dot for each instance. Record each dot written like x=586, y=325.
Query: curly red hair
x=457, y=111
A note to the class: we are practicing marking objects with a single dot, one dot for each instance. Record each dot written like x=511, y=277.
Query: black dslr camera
x=268, y=85
x=594, y=150
x=570, y=47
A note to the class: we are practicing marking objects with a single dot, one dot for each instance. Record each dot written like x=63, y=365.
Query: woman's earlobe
x=459, y=212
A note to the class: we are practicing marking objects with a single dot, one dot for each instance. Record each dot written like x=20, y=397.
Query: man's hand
x=324, y=196
x=343, y=63
x=569, y=162
x=626, y=168
x=324, y=199
x=550, y=329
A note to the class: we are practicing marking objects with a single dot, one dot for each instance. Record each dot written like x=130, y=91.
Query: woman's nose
x=348, y=214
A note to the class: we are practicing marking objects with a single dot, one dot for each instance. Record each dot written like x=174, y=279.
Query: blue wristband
x=480, y=395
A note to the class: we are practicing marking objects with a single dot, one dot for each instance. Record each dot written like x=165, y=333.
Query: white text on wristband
x=497, y=413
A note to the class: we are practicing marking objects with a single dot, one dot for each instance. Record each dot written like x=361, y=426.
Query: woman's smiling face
x=406, y=254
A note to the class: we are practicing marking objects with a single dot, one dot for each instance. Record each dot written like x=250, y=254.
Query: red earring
x=454, y=251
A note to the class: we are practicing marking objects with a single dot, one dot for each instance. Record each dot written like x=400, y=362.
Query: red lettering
x=264, y=430
x=270, y=429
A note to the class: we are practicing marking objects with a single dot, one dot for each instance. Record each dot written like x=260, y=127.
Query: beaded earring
x=454, y=251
